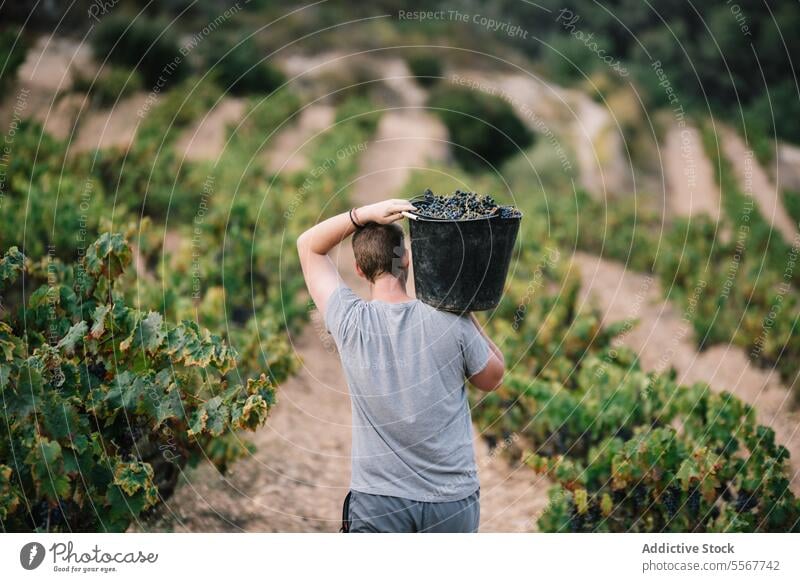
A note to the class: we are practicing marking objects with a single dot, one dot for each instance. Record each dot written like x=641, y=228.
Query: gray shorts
x=382, y=514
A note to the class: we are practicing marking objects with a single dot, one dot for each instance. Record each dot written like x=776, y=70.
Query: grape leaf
x=75, y=334
x=99, y=319
x=11, y=266
x=109, y=255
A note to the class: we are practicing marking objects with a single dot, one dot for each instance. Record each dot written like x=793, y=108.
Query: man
x=413, y=463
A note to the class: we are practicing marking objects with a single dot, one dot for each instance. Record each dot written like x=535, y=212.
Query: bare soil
x=691, y=184
x=112, y=127
x=286, y=153
x=755, y=182
x=206, y=139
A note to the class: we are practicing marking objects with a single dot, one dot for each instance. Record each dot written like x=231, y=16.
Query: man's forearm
x=321, y=238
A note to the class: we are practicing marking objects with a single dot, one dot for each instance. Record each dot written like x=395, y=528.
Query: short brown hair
x=377, y=247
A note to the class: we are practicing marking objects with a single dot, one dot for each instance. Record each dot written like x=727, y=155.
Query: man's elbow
x=302, y=242
x=496, y=381
x=491, y=378
x=303, y=248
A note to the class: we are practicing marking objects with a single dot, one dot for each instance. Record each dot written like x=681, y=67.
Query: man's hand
x=384, y=212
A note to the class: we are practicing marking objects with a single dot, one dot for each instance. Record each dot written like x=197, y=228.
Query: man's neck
x=389, y=289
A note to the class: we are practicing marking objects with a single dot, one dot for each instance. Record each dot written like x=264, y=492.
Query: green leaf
x=689, y=471
x=59, y=418
x=193, y=347
x=108, y=256
x=46, y=465
x=148, y=333
x=7, y=341
x=164, y=399
x=212, y=417
x=132, y=477
x=99, y=321
x=75, y=334
x=128, y=391
x=11, y=265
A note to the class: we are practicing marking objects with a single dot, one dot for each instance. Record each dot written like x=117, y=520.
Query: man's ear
x=406, y=259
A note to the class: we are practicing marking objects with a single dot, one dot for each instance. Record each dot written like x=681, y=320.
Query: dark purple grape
x=693, y=503
x=745, y=501
x=40, y=515
x=98, y=370
x=461, y=206
x=670, y=498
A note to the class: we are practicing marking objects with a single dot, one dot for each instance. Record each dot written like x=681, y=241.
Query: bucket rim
x=421, y=218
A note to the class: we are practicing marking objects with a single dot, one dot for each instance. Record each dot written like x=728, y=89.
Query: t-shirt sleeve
x=339, y=310
x=474, y=347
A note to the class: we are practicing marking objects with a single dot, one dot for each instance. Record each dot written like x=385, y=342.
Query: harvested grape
x=461, y=206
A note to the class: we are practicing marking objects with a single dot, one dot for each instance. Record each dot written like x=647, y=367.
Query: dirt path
x=114, y=127
x=603, y=167
x=664, y=338
x=48, y=69
x=786, y=171
x=755, y=182
x=691, y=185
x=286, y=152
x=206, y=139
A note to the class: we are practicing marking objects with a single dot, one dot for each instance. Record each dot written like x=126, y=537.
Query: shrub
x=720, y=473
x=144, y=44
x=567, y=59
x=242, y=70
x=32, y=217
x=104, y=404
x=483, y=128
x=426, y=68
x=358, y=112
x=791, y=201
x=110, y=86
x=12, y=55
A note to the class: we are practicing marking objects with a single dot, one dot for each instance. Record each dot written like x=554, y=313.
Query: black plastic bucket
x=462, y=265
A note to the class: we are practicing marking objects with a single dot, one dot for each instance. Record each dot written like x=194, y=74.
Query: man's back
x=405, y=365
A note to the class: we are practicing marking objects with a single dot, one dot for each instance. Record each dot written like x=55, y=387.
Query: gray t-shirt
x=406, y=365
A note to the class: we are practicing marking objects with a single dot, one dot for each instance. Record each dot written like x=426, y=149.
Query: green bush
x=426, y=68
x=358, y=112
x=721, y=472
x=791, y=201
x=147, y=45
x=110, y=86
x=35, y=219
x=629, y=450
x=483, y=128
x=104, y=404
x=151, y=176
x=567, y=59
x=242, y=70
x=12, y=55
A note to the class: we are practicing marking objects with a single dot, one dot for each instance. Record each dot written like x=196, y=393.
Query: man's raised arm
x=313, y=245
